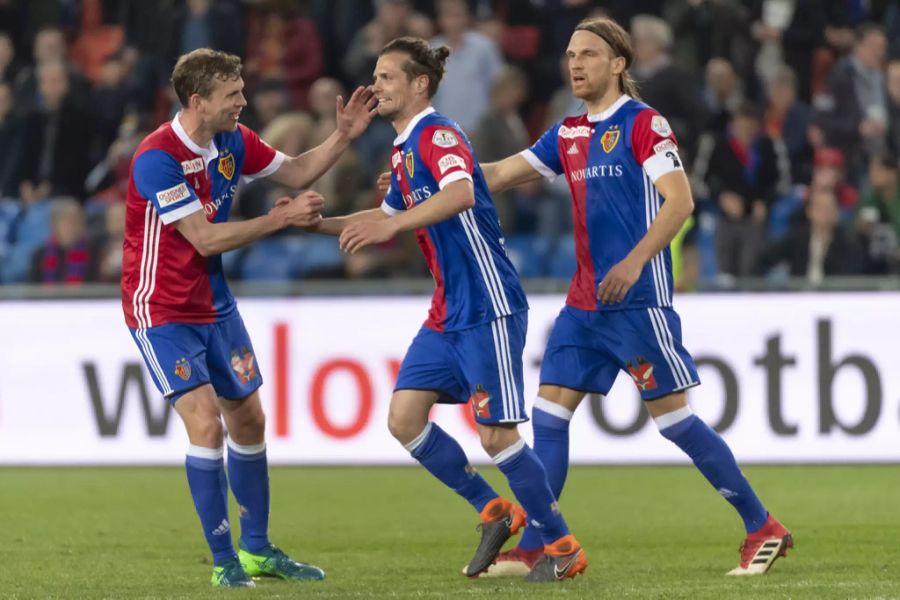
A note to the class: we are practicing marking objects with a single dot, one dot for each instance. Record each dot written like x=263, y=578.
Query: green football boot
x=231, y=574
x=273, y=562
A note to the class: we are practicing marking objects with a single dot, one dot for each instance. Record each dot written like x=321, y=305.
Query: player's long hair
x=423, y=59
x=618, y=39
x=197, y=72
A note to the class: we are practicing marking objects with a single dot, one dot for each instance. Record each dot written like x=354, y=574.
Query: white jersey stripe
x=654, y=267
x=664, y=337
x=510, y=373
x=157, y=230
x=499, y=327
x=485, y=264
x=667, y=333
x=492, y=266
x=659, y=257
x=135, y=299
x=503, y=389
x=478, y=258
x=152, y=360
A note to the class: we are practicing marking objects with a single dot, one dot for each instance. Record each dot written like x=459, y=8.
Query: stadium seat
x=562, y=261
x=320, y=257
x=30, y=230
x=528, y=253
x=271, y=259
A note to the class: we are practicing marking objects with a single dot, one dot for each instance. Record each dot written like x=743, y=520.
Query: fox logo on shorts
x=642, y=373
x=244, y=364
x=480, y=402
x=183, y=368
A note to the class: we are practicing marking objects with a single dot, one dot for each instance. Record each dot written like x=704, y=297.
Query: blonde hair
x=618, y=39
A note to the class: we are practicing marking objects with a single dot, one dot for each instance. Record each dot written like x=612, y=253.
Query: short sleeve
x=445, y=154
x=654, y=144
x=393, y=199
x=159, y=178
x=260, y=159
x=543, y=156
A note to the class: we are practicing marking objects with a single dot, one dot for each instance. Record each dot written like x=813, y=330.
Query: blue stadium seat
x=528, y=253
x=562, y=261
x=29, y=232
x=320, y=254
x=271, y=259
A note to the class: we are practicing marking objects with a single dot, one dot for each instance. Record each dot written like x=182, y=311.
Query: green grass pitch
x=650, y=532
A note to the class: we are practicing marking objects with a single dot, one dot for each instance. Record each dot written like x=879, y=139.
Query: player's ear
x=618, y=66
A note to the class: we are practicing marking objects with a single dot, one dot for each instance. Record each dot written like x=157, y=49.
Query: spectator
x=853, y=111
x=893, y=102
x=829, y=172
x=11, y=136
x=787, y=119
x=878, y=218
x=283, y=44
x=67, y=257
x=268, y=99
x=109, y=251
x=49, y=47
x=58, y=140
x=741, y=172
x=816, y=247
x=474, y=63
x=667, y=87
x=204, y=24
x=392, y=20
x=111, y=97
x=722, y=94
x=9, y=66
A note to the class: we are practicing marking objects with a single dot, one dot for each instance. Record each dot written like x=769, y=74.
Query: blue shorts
x=182, y=356
x=587, y=349
x=481, y=364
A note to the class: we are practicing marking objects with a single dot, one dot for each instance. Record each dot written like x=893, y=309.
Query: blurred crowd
x=787, y=114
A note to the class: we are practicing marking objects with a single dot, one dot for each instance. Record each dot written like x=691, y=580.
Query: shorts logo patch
x=183, y=368
x=444, y=138
x=450, y=161
x=481, y=402
x=610, y=138
x=173, y=195
x=410, y=163
x=226, y=164
x=244, y=364
x=641, y=372
x=660, y=126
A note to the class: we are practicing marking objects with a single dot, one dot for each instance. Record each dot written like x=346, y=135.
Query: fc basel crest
x=410, y=163
x=183, y=368
x=226, y=164
x=610, y=138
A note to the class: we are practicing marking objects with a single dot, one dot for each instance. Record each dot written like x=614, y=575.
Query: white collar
x=415, y=121
x=609, y=111
x=207, y=153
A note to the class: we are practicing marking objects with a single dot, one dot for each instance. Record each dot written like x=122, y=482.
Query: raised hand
x=353, y=118
x=383, y=183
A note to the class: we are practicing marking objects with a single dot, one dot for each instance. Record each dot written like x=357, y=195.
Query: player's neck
x=401, y=122
x=599, y=105
x=193, y=126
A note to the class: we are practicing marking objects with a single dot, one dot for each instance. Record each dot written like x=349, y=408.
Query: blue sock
x=248, y=472
x=713, y=457
x=444, y=458
x=528, y=481
x=551, y=445
x=209, y=489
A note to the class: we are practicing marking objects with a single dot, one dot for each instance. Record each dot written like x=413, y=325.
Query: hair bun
x=440, y=55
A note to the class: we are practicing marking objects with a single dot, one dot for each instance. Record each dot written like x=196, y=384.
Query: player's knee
x=402, y=427
x=497, y=438
x=208, y=433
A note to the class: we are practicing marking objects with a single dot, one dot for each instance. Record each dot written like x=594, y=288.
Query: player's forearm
x=668, y=222
x=312, y=164
x=222, y=237
x=442, y=206
x=508, y=173
x=335, y=225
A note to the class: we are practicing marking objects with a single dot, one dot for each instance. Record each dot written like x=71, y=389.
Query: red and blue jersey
x=475, y=282
x=611, y=162
x=164, y=278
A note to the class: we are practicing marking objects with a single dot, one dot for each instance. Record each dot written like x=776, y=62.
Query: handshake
x=303, y=210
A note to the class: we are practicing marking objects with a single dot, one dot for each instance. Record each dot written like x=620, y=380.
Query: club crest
x=244, y=364
x=226, y=164
x=609, y=139
x=183, y=368
x=410, y=163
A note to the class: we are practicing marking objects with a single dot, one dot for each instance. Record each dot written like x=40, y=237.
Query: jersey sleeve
x=393, y=199
x=158, y=177
x=653, y=144
x=543, y=156
x=446, y=154
x=260, y=159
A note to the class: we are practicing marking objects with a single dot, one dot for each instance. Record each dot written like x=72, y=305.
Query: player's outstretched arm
x=352, y=120
x=453, y=199
x=215, y=238
x=679, y=205
x=511, y=171
x=336, y=225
